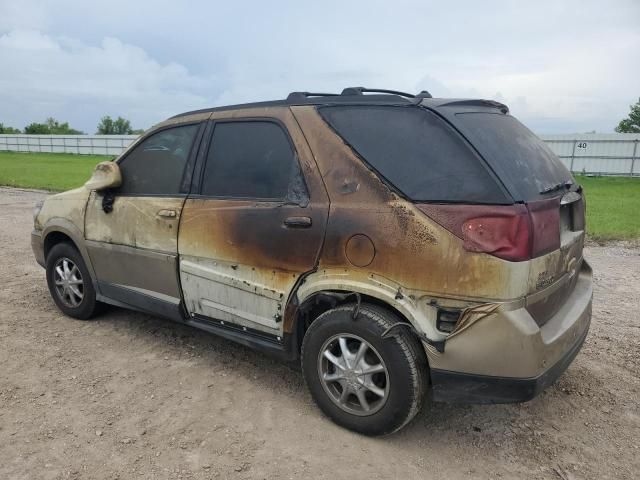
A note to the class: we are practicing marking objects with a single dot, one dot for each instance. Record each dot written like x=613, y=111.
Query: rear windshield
x=416, y=151
x=523, y=162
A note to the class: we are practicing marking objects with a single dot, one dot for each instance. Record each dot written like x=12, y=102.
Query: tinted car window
x=416, y=151
x=156, y=165
x=252, y=159
x=524, y=162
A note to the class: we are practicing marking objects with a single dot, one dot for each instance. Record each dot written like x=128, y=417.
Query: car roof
x=356, y=96
x=328, y=100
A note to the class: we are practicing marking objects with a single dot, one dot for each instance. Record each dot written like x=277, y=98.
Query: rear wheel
x=69, y=282
x=364, y=382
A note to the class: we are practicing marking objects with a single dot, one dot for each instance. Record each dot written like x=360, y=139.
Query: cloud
x=561, y=66
x=25, y=14
x=76, y=82
x=587, y=87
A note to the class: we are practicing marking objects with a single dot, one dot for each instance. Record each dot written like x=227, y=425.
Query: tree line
x=631, y=124
x=51, y=126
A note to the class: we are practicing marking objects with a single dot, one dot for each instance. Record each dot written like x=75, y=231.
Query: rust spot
x=422, y=235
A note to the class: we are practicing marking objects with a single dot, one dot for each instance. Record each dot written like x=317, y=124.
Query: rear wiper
x=557, y=186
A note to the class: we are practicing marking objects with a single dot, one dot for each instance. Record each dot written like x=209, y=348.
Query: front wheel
x=70, y=283
x=364, y=382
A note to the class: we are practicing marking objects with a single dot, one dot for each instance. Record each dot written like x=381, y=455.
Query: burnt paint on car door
x=256, y=223
x=134, y=246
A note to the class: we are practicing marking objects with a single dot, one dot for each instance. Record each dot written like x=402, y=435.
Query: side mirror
x=106, y=175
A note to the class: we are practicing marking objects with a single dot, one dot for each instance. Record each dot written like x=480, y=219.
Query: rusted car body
x=260, y=272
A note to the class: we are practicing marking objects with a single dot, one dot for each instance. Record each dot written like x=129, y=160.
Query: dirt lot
x=131, y=396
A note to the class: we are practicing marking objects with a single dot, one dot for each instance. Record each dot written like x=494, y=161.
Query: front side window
x=156, y=165
x=253, y=160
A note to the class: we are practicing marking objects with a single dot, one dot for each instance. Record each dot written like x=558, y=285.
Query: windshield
x=523, y=162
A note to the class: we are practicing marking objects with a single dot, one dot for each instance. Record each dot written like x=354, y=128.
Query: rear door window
x=417, y=152
x=525, y=163
x=252, y=160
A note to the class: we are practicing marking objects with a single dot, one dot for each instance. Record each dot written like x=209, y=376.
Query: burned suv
x=400, y=246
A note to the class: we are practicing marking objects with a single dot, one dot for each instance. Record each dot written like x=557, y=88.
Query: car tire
x=336, y=372
x=70, y=283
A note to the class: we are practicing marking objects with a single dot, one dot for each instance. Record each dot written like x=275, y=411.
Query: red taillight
x=504, y=237
x=511, y=232
x=545, y=220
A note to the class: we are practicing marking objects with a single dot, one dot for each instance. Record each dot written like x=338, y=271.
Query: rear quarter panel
x=410, y=248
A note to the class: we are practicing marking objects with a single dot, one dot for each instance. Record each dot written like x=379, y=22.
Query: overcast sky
x=561, y=66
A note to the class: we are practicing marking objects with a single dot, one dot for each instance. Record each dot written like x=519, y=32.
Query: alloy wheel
x=353, y=374
x=68, y=282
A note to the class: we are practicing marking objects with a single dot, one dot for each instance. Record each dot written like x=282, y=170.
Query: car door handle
x=167, y=213
x=297, y=222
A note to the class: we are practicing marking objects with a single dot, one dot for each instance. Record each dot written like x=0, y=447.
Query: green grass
x=613, y=207
x=613, y=203
x=47, y=171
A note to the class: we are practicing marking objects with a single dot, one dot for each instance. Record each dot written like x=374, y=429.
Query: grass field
x=613, y=203
x=613, y=207
x=46, y=171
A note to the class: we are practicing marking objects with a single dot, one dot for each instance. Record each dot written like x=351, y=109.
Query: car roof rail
x=361, y=90
x=297, y=96
x=350, y=91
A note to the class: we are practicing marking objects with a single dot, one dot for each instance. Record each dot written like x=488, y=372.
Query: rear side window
x=156, y=166
x=416, y=151
x=524, y=162
x=251, y=159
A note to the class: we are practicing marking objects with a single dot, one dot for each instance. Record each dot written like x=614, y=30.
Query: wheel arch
x=313, y=298
x=53, y=238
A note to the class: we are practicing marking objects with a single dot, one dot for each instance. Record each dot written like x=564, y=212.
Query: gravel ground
x=132, y=396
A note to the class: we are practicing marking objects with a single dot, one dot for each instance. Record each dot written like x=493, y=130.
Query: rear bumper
x=37, y=247
x=454, y=387
x=507, y=357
